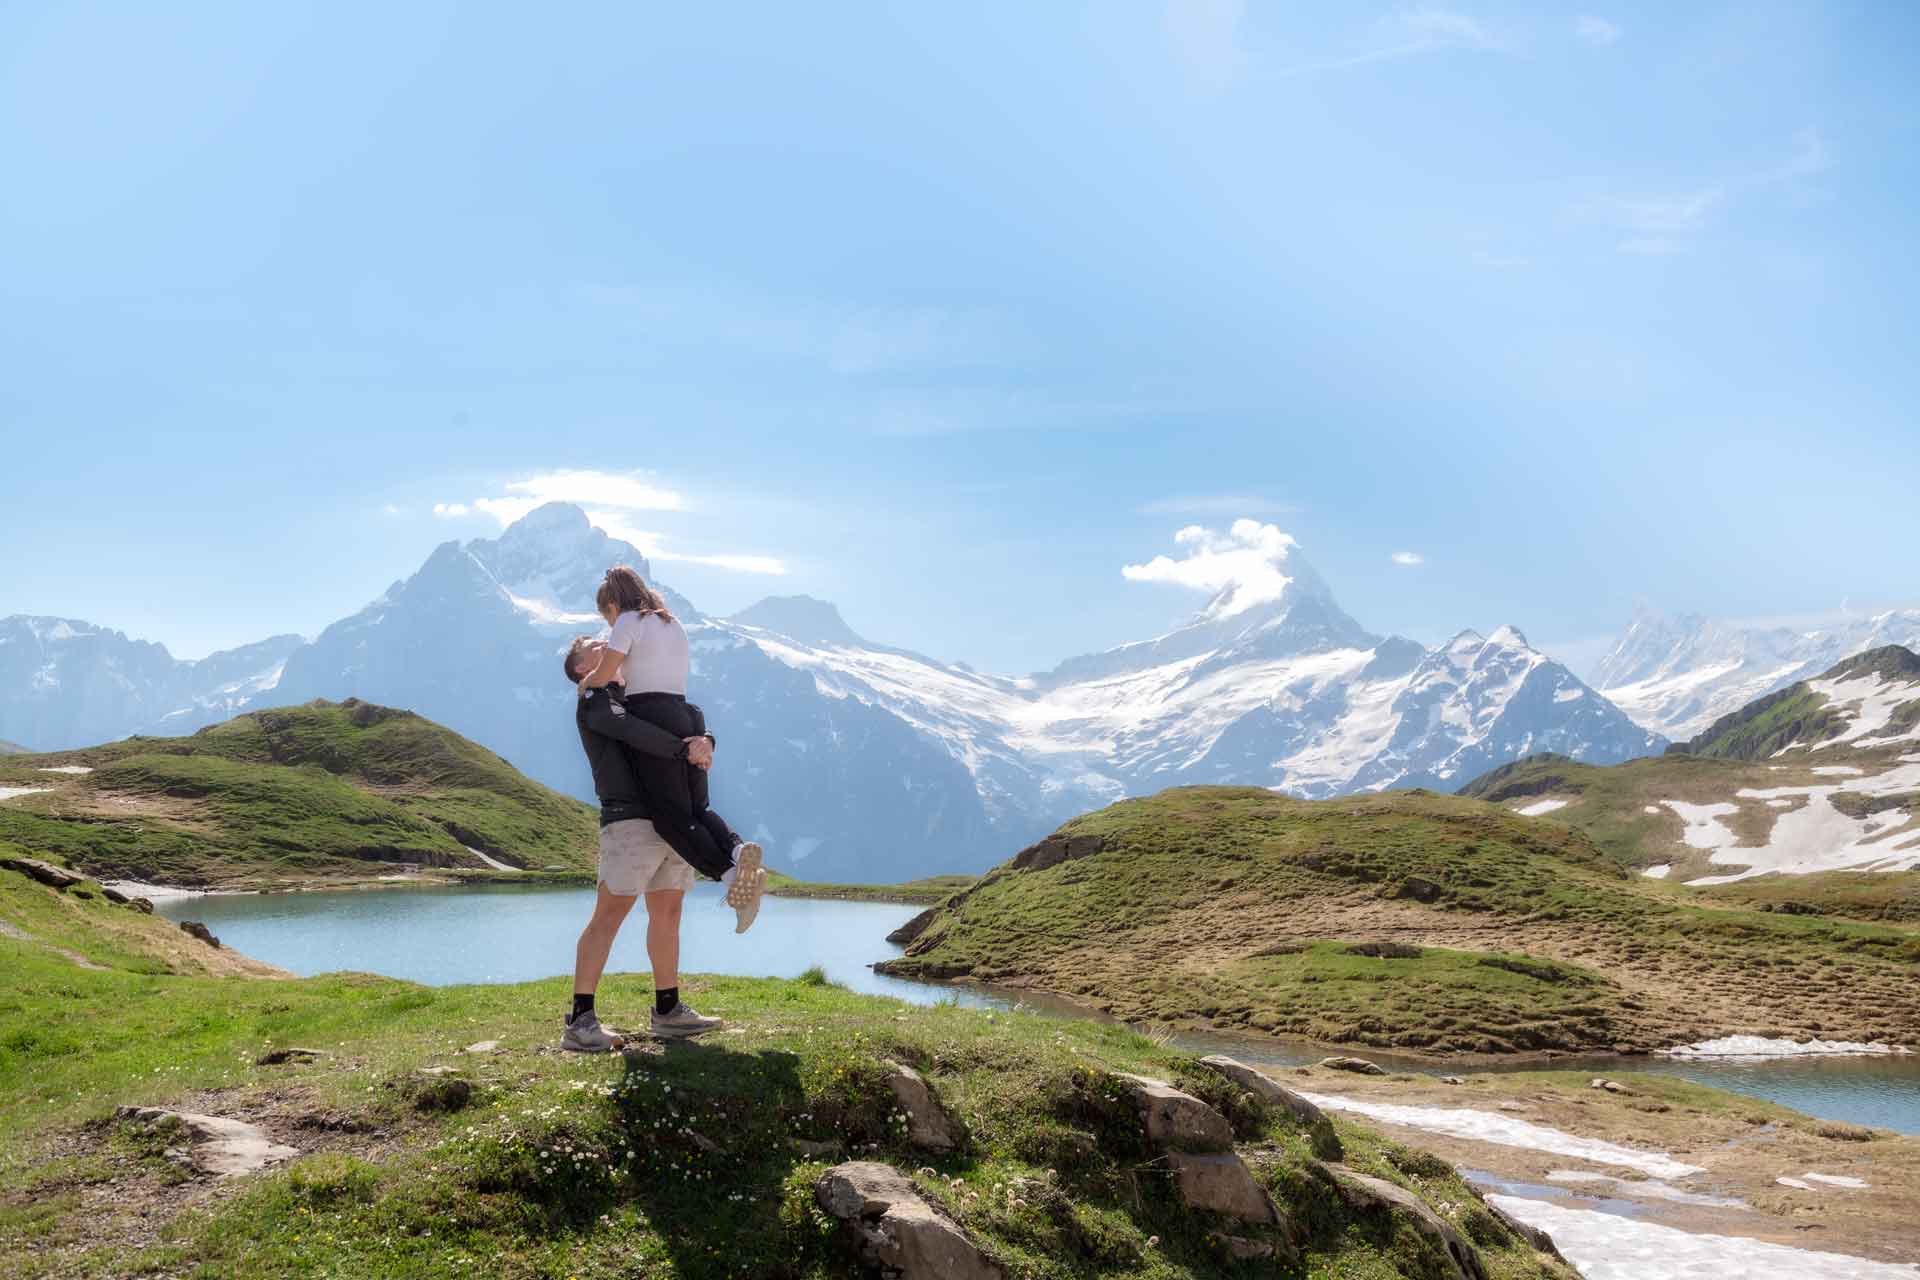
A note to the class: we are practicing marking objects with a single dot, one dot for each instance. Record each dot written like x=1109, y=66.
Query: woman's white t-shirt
x=656, y=653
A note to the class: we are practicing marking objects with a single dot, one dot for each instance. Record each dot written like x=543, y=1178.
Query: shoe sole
x=676, y=1033
x=746, y=867
x=746, y=911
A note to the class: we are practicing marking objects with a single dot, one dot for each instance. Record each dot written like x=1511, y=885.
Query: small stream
x=446, y=935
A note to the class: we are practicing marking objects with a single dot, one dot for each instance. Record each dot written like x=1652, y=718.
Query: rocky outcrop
x=45, y=872
x=1221, y=1182
x=893, y=1231
x=1378, y=1195
x=913, y=928
x=928, y=1125
x=1360, y=1065
x=1056, y=849
x=1177, y=1120
x=217, y=1146
x=1326, y=1143
x=195, y=929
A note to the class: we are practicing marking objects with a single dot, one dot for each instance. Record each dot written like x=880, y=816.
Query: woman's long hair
x=627, y=591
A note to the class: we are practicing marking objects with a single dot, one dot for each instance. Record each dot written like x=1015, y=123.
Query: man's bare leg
x=671, y=1018
x=584, y=1033
x=663, y=936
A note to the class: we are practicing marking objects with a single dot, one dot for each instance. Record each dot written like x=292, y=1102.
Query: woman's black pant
x=675, y=791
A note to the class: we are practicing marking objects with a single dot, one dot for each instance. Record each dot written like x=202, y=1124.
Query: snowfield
x=1762, y=1047
x=1506, y=1131
x=1816, y=835
x=1539, y=807
x=1606, y=1247
x=10, y=793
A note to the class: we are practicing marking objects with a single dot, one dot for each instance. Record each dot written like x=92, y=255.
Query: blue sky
x=948, y=313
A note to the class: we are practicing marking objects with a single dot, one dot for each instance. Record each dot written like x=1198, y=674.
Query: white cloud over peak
x=1241, y=568
x=612, y=500
x=1408, y=559
x=1595, y=30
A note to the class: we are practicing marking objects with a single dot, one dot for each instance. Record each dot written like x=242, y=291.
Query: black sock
x=581, y=1004
x=664, y=1000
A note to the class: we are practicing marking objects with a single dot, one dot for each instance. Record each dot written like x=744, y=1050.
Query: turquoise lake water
x=441, y=936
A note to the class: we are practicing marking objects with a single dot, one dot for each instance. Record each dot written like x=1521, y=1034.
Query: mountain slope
x=1677, y=676
x=322, y=791
x=1821, y=777
x=853, y=760
x=66, y=683
x=1407, y=920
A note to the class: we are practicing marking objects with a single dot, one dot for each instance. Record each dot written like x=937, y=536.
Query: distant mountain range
x=1676, y=676
x=853, y=759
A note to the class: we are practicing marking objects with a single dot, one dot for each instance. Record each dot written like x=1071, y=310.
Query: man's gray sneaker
x=680, y=1023
x=584, y=1034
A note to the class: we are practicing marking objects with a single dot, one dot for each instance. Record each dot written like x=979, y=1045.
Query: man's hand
x=700, y=752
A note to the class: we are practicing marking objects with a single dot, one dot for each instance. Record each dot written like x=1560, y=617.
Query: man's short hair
x=572, y=659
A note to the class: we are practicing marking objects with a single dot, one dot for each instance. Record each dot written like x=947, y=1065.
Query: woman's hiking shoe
x=680, y=1022
x=584, y=1034
x=748, y=884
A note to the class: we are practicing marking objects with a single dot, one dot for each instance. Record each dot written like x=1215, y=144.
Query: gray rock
x=1176, y=1119
x=1241, y=1249
x=927, y=1124
x=221, y=1147
x=45, y=872
x=1222, y=1183
x=891, y=1229
x=1376, y=1194
x=194, y=928
x=1451, y=1080
x=1263, y=1086
x=1360, y=1065
x=484, y=1046
x=1055, y=850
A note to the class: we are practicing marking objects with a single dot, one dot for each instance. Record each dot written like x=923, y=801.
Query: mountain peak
x=1509, y=637
x=550, y=519
x=800, y=618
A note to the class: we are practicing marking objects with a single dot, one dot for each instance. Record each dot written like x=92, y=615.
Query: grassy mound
x=324, y=791
x=1241, y=910
x=690, y=1160
x=926, y=890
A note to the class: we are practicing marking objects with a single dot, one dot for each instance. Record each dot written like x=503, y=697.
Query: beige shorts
x=634, y=860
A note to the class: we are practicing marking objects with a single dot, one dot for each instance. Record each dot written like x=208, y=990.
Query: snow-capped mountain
x=67, y=683
x=1676, y=676
x=855, y=760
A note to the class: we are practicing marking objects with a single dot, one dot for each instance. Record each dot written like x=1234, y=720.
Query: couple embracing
x=649, y=749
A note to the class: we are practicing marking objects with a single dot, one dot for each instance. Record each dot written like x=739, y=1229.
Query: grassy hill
x=323, y=792
x=1407, y=920
x=691, y=1160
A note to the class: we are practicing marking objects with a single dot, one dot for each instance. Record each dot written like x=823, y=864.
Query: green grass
x=1226, y=907
x=925, y=891
x=319, y=792
x=677, y=1161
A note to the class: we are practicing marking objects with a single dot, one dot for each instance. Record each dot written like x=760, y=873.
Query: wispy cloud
x=1219, y=504
x=1409, y=559
x=1596, y=30
x=1668, y=222
x=613, y=501
x=1205, y=35
x=1409, y=33
x=1242, y=567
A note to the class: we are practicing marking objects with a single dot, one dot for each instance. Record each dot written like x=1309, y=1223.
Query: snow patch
x=495, y=863
x=1817, y=836
x=1704, y=830
x=1762, y=1047
x=1506, y=1131
x=1604, y=1246
x=1658, y=873
x=1653, y=809
x=1873, y=699
x=1795, y=1183
x=1838, y=1180
x=1539, y=807
x=1839, y=770
x=65, y=768
x=13, y=793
